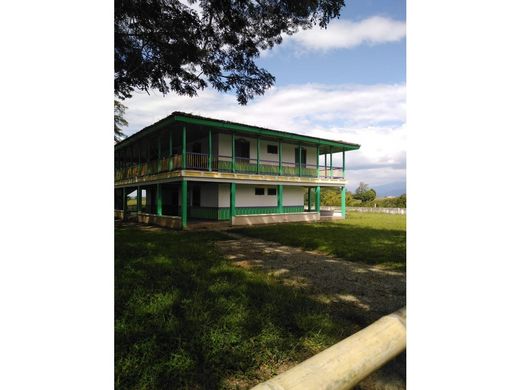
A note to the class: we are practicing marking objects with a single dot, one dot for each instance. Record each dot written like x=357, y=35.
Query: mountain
x=395, y=188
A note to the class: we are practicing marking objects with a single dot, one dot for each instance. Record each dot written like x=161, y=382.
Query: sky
x=346, y=82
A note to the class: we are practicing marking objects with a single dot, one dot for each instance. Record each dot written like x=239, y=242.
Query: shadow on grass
x=374, y=246
x=186, y=319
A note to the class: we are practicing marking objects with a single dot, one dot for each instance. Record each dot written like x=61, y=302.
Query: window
x=272, y=149
x=297, y=156
x=271, y=191
x=259, y=191
x=242, y=148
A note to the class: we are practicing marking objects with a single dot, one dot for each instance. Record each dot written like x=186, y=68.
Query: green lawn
x=186, y=319
x=363, y=237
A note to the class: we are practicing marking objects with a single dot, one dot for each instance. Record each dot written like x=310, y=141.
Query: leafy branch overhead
x=173, y=47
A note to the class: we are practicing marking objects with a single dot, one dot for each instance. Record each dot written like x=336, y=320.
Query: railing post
x=318, y=161
x=183, y=160
x=280, y=157
x=233, y=152
x=210, y=150
x=170, y=161
x=257, y=155
x=331, y=173
x=317, y=201
x=280, y=198
x=344, y=163
x=343, y=198
x=184, y=204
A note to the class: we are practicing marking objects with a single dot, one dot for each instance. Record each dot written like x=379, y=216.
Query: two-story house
x=186, y=167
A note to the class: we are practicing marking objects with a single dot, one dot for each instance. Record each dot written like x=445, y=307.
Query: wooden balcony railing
x=223, y=163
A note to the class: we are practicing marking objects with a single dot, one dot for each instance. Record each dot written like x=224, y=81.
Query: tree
x=169, y=46
x=119, y=120
x=364, y=193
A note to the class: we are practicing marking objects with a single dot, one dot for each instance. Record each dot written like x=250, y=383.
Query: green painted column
x=318, y=161
x=326, y=164
x=170, y=162
x=280, y=198
x=124, y=199
x=257, y=155
x=344, y=171
x=233, y=152
x=232, y=199
x=158, y=199
x=139, y=201
x=309, y=205
x=317, y=207
x=280, y=158
x=210, y=150
x=299, y=160
x=184, y=204
x=183, y=160
x=343, y=198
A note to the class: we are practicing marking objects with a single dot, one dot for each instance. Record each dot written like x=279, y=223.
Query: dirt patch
x=360, y=292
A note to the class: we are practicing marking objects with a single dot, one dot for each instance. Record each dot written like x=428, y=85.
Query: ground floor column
x=309, y=204
x=159, y=199
x=343, y=206
x=184, y=204
x=317, y=199
x=232, y=199
x=280, y=198
x=139, y=199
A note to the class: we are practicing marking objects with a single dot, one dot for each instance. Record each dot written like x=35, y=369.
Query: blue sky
x=346, y=82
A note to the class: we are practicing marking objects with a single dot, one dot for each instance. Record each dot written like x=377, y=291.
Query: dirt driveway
x=360, y=292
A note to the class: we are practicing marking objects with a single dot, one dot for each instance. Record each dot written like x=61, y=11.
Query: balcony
x=222, y=163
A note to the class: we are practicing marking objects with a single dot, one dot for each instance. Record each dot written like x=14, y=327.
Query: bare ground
x=362, y=293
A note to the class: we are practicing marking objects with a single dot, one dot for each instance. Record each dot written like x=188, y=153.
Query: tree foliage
x=170, y=46
x=119, y=120
x=364, y=193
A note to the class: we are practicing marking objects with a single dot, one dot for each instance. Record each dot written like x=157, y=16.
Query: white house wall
x=245, y=196
x=288, y=150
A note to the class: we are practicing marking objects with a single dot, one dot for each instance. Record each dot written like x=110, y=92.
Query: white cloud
x=373, y=116
x=346, y=34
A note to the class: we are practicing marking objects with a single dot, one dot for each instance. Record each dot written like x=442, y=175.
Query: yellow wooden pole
x=346, y=363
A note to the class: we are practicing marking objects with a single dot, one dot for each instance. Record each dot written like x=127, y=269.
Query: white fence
x=385, y=210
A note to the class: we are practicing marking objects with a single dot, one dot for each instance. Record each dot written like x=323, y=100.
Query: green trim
x=317, y=193
x=223, y=213
x=159, y=199
x=184, y=204
x=232, y=197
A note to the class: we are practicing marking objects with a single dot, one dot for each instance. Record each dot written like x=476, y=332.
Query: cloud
x=346, y=34
x=371, y=115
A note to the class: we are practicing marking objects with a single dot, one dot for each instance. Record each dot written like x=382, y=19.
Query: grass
x=186, y=319
x=370, y=238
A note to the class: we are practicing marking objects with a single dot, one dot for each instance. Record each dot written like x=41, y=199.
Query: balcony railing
x=222, y=163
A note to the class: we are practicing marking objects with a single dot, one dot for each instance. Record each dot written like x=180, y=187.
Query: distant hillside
x=391, y=189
